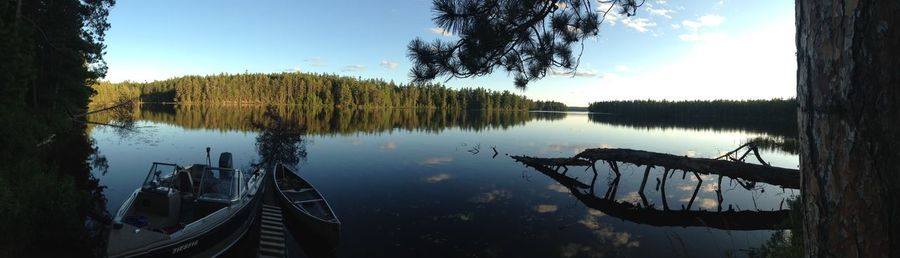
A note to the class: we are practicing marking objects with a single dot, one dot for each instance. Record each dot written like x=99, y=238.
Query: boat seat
x=308, y=201
x=164, y=204
x=297, y=191
x=184, y=183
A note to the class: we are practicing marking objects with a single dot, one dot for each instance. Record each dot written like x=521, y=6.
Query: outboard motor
x=225, y=160
x=225, y=163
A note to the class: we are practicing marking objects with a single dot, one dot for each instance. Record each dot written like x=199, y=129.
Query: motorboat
x=193, y=211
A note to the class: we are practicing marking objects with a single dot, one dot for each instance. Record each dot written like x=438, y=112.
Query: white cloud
x=693, y=27
x=710, y=187
x=632, y=197
x=353, y=68
x=388, y=146
x=661, y=12
x=712, y=20
x=676, y=26
x=609, y=76
x=612, y=16
x=709, y=20
x=545, y=208
x=437, y=178
x=441, y=31
x=492, y=196
x=708, y=203
x=638, y=24
x=690, y=153
x=315, y=61
x=435, y=160
x=293, y=70
x=389, y=64
x=622, y=68
x=578, y=73
x=558, y=188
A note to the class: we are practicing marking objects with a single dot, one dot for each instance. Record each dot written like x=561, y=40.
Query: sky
x=675, y=50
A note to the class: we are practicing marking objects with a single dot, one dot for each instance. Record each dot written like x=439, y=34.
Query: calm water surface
x=426, y=183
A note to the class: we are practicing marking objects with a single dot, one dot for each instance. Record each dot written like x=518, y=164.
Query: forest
x=743, y=110
x=51, y=52
x=325, y=121
x=308, y=90
x=549, y=106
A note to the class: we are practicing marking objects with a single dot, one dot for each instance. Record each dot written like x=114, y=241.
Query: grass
x=785, y=243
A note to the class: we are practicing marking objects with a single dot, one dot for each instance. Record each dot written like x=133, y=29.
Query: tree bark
x=18, y=15
x=848, y=87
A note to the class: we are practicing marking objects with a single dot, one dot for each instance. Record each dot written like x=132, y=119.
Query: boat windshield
x=160, y=177
x=219, y=184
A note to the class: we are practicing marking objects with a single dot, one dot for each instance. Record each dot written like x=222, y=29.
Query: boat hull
x=214, y=241
x=302, y=224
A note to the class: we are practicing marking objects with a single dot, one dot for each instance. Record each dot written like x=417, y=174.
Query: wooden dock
x=274, y=238
x=271, y=232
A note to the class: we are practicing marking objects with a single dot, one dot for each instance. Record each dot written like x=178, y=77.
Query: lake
x=427, y=183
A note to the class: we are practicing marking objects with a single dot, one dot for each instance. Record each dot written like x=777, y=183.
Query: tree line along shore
x=308, y=90
x=324, y=90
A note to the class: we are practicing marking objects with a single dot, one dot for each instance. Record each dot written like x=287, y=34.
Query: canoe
x=198, y=211
x=305, y=207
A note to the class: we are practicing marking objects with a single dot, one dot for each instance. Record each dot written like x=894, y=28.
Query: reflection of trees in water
x=334, y=121
x=119, y=116
x=777, y=143
x=76, y=157
x=60, y=209
x=97, y=160
x=281, y=139
x=778, y=127
x=548, y=116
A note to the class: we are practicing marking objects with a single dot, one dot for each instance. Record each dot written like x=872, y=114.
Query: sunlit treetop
x=526, y=38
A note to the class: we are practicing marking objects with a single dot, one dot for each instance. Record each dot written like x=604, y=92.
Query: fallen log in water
x=784, y=177
x=554, y=162
x=727, y=220
x=789, y=178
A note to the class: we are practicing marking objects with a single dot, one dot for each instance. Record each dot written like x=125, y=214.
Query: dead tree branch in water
x=728, y=220
x=126, y=104
x=789, y=178
x=750, y=146
x=475, y=149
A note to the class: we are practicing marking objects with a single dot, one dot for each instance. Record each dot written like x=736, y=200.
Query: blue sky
x=672, y=49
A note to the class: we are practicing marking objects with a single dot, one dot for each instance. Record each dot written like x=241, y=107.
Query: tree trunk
x=18, y=15
x=848, y=87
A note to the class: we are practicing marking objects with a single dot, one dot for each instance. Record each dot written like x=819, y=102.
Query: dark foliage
x=548, y=106
x=309, y=90
x=50, y=52
x=281, y=139
x=780, y=109
x=330, y=121
x=775, y=117
x=524, y=37
x=784, y=243
x=779, y=127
